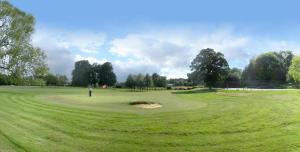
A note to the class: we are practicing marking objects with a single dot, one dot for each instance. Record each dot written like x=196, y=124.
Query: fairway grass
x=66, y=119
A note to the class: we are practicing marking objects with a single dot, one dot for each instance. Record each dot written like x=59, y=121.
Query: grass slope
x=65, y=119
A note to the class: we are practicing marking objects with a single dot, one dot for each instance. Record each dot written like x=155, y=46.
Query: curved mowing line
x=31, y=103
x=75, y=110
x=99, y=137
x=161, y=115
x=13, y=142
x=49, y=111
x=175, y=133
x=203, y=133
x=32, y=111
x=92, y=114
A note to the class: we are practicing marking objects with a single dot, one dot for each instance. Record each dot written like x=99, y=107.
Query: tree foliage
x=294, y=70
x=81, y=73
x=209, y=66
x=56, y=80
x=130, y=81
x=18, y=58
x=180, y=82
x=93, y=73
x=85, y=74
x=269, y=67
x=148, y=81
x=155, y=77
x=106, y=76
x=141, y=81
x=194, y=79
x=234, y=78
x=162, y=81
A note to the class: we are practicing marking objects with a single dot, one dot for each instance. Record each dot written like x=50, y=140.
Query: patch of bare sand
x=148, y=106
x=145, y=105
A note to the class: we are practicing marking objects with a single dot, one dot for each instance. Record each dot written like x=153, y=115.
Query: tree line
x=86, y=74
x=270, y=69
x=147, y=81
x=49, y=80
x=56, y=80
x=179, y=82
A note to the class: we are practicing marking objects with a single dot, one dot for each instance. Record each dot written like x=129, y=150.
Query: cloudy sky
x=163, y=36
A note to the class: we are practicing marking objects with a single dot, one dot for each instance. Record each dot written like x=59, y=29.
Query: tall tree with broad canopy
x=106, y=76
x=81, y=73
x=18, y=58
x=93, y=73
x=210, y=66
x=294, y=70
x=269, y=67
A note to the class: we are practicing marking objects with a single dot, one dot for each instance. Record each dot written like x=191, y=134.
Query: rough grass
x=66, y=119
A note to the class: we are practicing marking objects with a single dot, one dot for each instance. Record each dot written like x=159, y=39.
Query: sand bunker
x=145, y=105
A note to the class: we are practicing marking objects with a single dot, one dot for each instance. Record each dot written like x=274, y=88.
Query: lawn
x=66, y=119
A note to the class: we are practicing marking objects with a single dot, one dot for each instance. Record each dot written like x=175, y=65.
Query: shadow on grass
x=195, y=91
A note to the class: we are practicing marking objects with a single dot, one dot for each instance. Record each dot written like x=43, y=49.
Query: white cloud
x=84, y=41
x=171, y=53
x=60, y=47
x=90, y=59
x=59, y=59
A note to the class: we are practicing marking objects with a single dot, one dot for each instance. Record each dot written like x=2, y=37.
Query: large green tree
x=294, y=70
x=106, y=76
x=268, y=67
x=94, y=71
x=81, y=73
x=18, y=58
x=209, y=66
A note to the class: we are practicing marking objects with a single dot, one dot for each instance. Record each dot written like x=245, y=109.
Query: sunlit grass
x=66, y=119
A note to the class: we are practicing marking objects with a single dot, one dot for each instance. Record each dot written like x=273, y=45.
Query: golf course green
x=66, y=119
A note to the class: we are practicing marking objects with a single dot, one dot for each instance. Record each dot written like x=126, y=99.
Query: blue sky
x=160, y=36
